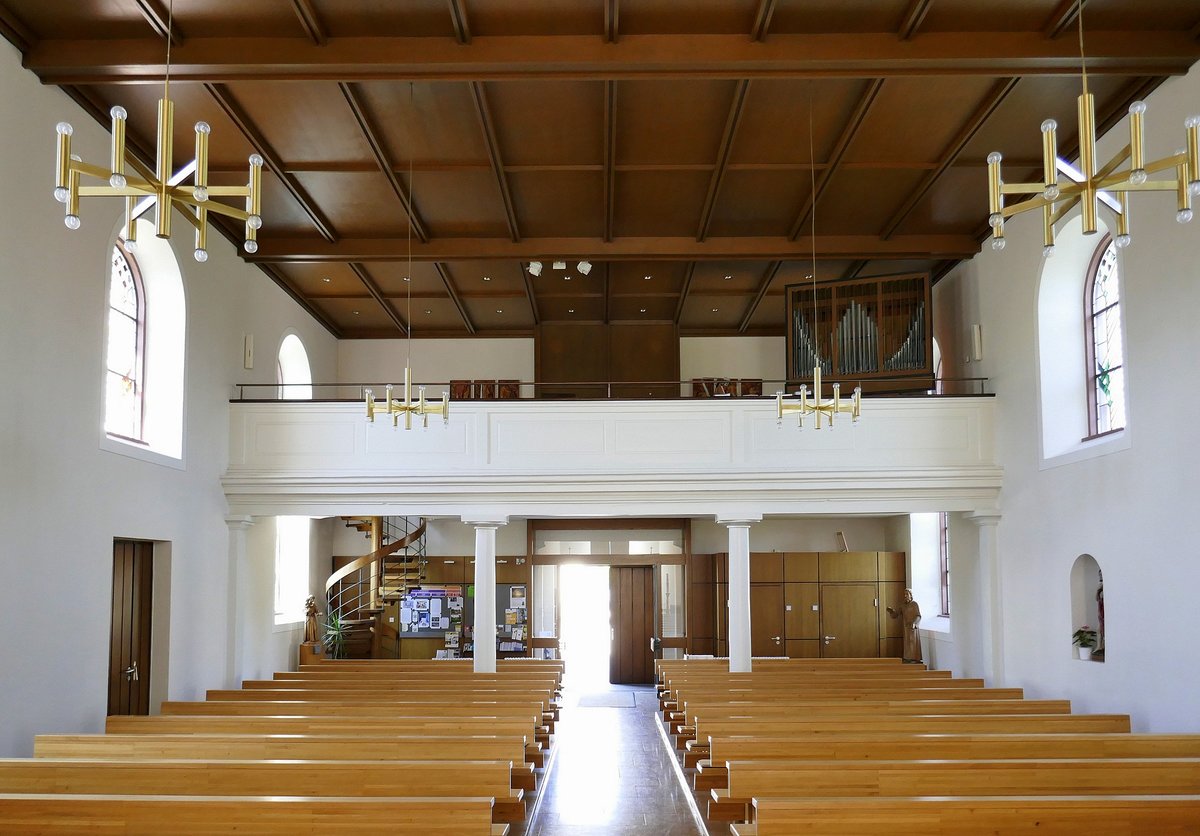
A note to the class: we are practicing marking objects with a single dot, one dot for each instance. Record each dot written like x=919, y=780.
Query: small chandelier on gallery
x=817, y=407
x=1089, y=184
x=160, y=187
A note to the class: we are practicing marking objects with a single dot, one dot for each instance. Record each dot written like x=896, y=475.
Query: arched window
x=144, y=342
x=293, y=371
x=124, y=406
x=1105, y=349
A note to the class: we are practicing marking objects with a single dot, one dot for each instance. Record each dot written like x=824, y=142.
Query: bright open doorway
x=584, y=640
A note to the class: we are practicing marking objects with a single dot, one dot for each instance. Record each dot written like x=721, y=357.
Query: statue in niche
x=310, y=620
x=1099, y=649
x=910, y=615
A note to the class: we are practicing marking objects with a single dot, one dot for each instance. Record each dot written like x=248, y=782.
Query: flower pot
x=1085, y=654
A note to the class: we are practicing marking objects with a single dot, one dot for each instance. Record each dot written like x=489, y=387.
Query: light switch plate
x=248, y=351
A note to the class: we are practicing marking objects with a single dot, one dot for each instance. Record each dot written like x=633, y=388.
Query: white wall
x=441, y=360
x=1133, y=509
x=62, y=498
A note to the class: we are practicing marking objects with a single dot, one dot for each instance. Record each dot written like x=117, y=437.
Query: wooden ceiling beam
x=159, y=18
x=386, y=165
x=15, y=30
x=455, y=297
x=256, y=139
x=310, y=21
x=458, y=19
x=718, y=175
x=688, y=273
x=612, y=21
x=762, y=19
x=995, y=97
x=1065, y=14
x=582, y=57
x=378, y=296
x=683, y=248
x=610, y=154
x=763, y=286
x=493, y=148
x=857, y=117
x=913, y=18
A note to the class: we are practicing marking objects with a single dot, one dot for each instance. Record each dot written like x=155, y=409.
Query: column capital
x=985, y=517
x=486, y=522
x=239, y=522
x=744, y=520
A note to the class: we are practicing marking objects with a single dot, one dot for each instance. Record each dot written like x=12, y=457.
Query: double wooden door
x=129, y=644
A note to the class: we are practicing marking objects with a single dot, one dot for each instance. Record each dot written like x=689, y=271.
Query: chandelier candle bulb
x=117, y=178
x=1050, y=158
x=1137, y=143
x=1192, y=124
x=200, y=184
x=63, y=169
x=1123, y=238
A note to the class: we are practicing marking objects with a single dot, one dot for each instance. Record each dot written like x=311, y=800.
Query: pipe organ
x=872, y=332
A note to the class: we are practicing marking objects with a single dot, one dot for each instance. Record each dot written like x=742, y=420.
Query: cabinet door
x=849, y=623
x=891, y=594
x=766, y=567
x=842, y=567
x=800, y=566
x=803, y=649
x=766, y=619
x=802, y=615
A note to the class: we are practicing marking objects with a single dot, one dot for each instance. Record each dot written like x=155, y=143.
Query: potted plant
x=335, y=637
x=1084, y=639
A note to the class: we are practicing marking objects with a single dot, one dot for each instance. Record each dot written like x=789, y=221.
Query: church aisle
x=611, y=771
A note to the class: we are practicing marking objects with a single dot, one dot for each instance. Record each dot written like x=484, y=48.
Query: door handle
x=828, y=639
x=131, y=673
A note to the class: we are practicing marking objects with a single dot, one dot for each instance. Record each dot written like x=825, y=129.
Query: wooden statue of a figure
x=310, y=620
x=910, y=615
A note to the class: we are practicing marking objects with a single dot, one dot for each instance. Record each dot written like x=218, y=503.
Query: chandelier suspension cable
x=812, y=179
x=170, y=37
x=412, y=190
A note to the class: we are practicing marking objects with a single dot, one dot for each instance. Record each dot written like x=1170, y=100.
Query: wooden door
x=766, y=619
x=631, y=612
x=849, y=624
x=129, y=647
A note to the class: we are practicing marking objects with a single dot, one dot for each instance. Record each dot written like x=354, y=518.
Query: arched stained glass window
x=1106, y=353
x=125, y=402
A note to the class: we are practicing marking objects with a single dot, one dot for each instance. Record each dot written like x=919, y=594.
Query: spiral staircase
x=361, y=593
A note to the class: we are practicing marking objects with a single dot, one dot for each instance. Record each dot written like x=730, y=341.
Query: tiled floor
x=611, y=771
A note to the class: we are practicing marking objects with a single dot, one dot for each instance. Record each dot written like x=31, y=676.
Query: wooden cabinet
x=508, y=570
x=447, y=570
x=802, y=597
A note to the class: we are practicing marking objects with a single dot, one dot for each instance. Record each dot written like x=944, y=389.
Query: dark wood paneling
x=568, y=353
x=446, y=570
x=766, y=619
x=800, y=566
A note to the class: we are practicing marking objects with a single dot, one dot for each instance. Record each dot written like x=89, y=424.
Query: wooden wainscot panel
x=840, y=567
x=700, y=568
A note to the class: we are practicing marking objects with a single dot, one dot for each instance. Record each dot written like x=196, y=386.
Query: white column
x=990, y=597
x=739, y=593
x=485, y=593
x=237, y=597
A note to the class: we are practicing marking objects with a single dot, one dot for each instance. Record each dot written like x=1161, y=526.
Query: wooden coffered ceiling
x=684, y=147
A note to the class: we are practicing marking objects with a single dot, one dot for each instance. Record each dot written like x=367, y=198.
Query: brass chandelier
x=1090, y=184
x=817, y=407
x=408, y=407
x=161, y=187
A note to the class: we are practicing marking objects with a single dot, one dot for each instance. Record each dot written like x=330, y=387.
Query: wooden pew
x=819, y=779
x=865, y=747
x=813, y=708
x=418, y=778
x=282, y=815
x=677, y=690
x=177, y=724
x=401, y=690
x=946, y=724
x=1125, y=815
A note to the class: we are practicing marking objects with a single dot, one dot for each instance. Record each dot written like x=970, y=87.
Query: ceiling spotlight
x=535, y=268
x=714, y=310
x=570, y=310
x=647, y=278
x=728, y=278
x=499, y=310
x=642, y=310
x=584, y=267
x=428, y=311
x=327, y=280
x=559, y=265
x=487, y=278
